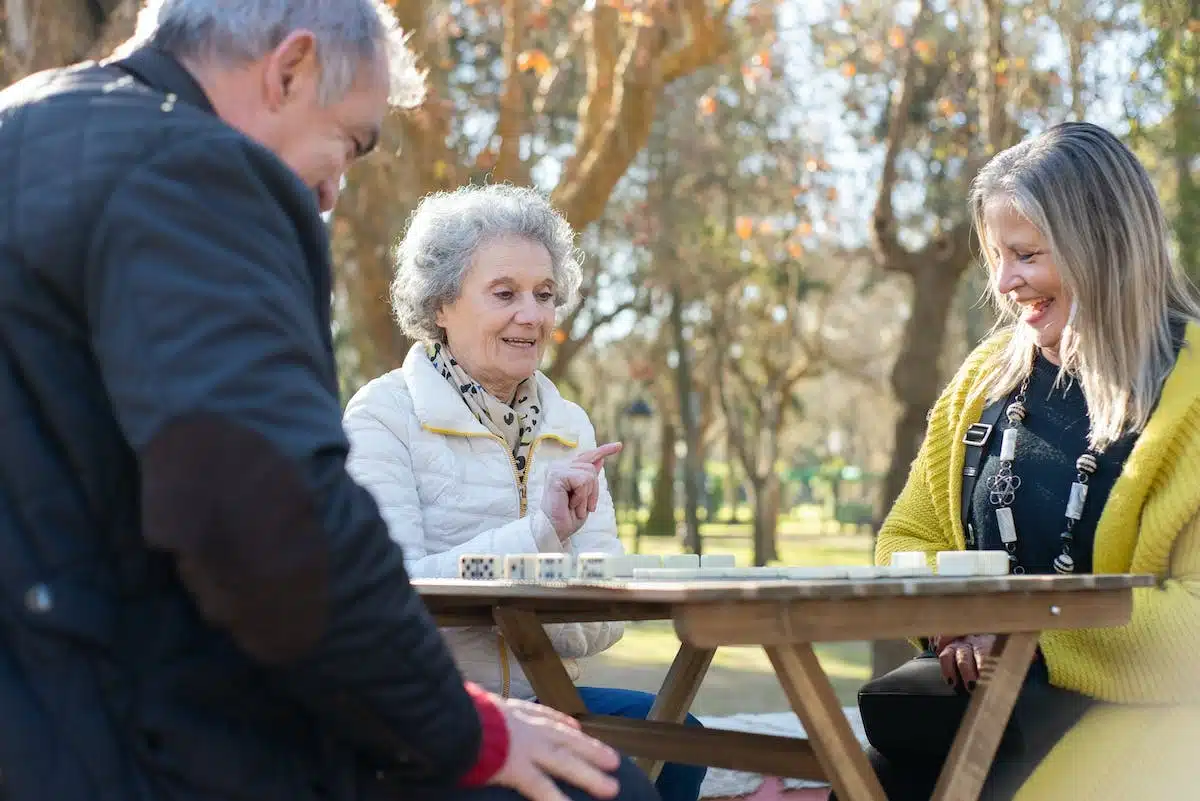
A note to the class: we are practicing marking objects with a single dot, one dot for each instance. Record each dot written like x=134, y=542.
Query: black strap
x=976, y=440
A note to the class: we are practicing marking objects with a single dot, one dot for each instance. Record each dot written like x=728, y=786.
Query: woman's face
x=1025, y=273
x=500, y=323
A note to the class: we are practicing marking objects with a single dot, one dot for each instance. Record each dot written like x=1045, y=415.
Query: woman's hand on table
x=573, y=488
x=546, y=745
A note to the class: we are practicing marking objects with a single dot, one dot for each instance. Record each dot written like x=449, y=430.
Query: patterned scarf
x=516, y=425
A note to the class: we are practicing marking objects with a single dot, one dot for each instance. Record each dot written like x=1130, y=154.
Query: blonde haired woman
x=1095, y=367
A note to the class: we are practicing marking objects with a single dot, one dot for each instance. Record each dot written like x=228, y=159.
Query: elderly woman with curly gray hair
x=468, y=448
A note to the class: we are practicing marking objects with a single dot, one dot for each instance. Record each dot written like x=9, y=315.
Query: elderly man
x=199, y=602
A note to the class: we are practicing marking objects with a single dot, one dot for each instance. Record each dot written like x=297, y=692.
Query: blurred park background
x=771, y=196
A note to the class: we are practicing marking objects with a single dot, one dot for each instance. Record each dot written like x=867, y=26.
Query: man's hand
x=545, y=745
x=573, y=488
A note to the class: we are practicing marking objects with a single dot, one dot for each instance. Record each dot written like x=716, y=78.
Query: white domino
x=644, y=561
x=858, y=572
x=520, y=567
x=553, y=567
x=594, y=566
x=668, y=573
x=972, y=563
x=754, y=573
x=957, y=563
x=718, y=560
x=681, y=561
x=992, y=563
x=621, y=565
x=479, y=567
x=815, y=573
x=903, y=571
x=910, y=559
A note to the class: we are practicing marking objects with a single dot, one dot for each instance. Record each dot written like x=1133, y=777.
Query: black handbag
x=911, y=711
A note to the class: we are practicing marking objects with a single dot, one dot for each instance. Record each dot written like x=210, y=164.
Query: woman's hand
x=961, y=657
x=573, y=488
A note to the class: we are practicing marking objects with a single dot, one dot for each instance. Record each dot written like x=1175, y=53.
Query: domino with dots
x=554, y=567
x=520, y=567
x=479, y=567
x=596, y=566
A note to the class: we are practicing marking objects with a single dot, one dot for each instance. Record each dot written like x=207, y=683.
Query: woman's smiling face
x=1023, y=271
x=499, y=325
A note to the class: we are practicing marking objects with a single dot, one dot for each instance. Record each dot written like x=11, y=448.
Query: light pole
x=639, y=414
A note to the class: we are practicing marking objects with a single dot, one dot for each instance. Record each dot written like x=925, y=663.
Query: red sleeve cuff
x=493, y=748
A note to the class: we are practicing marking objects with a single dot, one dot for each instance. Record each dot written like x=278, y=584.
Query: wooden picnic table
x=785, y=618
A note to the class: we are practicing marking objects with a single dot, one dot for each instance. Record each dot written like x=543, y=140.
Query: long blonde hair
x=1095, y=206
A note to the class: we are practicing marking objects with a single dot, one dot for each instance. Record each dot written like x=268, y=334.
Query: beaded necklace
x=1003, y=486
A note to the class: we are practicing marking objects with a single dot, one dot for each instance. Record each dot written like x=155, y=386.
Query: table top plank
x=469, y=592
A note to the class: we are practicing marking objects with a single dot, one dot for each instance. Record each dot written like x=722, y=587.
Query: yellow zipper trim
x=501, y=646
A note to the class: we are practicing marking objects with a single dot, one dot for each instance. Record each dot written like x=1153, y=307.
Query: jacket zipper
x=522, y=505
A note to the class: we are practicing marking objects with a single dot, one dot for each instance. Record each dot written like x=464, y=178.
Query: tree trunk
x=661, y=522
x=1185, y=124
x=764, y=491
x=917, y=383
x=693, y=469
x=979, y=316
x=915, y=377
x=732, y=482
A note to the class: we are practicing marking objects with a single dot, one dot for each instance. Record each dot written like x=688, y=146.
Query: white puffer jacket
x=447, y=486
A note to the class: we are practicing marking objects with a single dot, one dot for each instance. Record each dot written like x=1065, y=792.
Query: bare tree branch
x=885, y=230
x=604, y=153
x=19, y=27
x=561, y=53
x=602, y=37
x=566, y=352
x=513, y=109
x=118, y=28
x=707, y=38
x=993, y=117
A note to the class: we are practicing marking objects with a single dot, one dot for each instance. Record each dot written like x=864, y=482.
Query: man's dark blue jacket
x=196, y=602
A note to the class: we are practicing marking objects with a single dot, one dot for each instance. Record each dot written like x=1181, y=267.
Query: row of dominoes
x=640, y=567
x=955, y=563
x=594, y=566
x=908, y=564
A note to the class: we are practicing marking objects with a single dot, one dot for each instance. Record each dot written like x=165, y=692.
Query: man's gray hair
x=349, y=33
x=447, y=229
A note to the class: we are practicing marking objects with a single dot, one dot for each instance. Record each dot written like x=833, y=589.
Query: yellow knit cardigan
x=1149, y=668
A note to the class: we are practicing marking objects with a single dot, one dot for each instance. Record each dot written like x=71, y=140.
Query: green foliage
x=1170, y=77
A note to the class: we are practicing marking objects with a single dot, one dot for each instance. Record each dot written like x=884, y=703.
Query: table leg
x=542, y=665
x=1003, y=673
x=814, y=701
x=679, y=689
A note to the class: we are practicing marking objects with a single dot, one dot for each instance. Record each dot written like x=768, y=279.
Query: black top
x=1053, y=436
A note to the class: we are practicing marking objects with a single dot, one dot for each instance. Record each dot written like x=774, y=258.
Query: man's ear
x=292, y=69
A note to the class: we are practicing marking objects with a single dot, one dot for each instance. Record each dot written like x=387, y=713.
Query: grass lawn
x=740, y=679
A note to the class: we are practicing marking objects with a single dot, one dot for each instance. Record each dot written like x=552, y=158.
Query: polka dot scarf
x=516, y=425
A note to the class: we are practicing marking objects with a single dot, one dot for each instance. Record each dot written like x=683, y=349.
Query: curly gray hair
x=445, y=232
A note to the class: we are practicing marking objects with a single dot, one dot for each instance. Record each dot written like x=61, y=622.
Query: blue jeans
x=676, y=782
